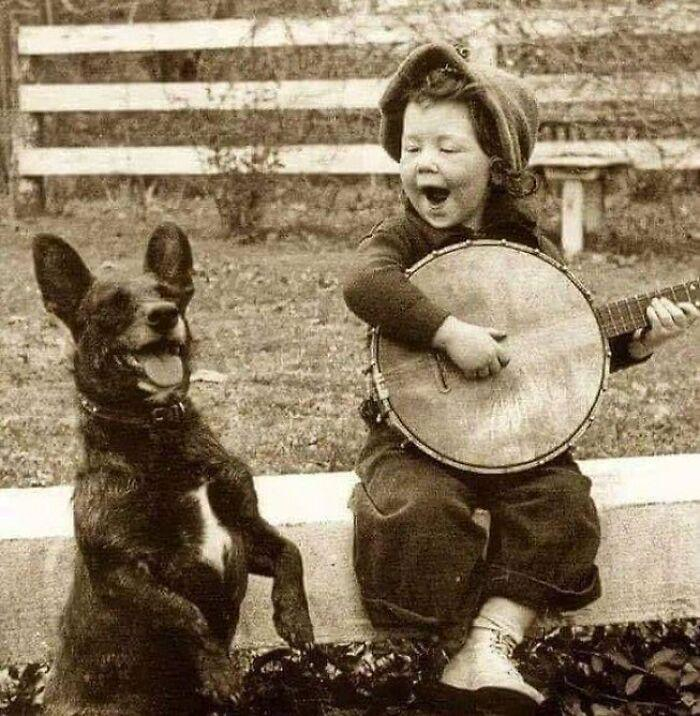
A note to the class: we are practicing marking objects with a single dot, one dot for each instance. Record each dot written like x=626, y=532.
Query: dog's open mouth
x=436, y=195
x=160, y=362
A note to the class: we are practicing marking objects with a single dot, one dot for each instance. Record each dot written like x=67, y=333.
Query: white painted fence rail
x=329, y=158
x=649, y=559
x=358, y=29
x=326, y=94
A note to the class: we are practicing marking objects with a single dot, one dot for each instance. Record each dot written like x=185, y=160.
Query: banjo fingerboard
x=629, y=314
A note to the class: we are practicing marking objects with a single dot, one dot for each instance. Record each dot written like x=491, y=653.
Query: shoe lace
x=505, y=645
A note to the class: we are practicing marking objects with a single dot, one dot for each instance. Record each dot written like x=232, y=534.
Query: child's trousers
x=419, y=554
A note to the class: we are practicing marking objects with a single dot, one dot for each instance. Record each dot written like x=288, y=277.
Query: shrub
x=646, y=669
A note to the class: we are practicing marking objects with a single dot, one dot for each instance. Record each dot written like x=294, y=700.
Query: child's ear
x=62, y=276
x=169, y=257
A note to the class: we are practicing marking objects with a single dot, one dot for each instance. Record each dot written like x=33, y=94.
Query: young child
x=463, y=135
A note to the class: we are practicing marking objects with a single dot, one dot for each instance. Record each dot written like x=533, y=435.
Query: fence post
x=5, y=96
x=28, y=193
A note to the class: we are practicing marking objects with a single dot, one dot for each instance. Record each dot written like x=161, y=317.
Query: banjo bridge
x=440, y=371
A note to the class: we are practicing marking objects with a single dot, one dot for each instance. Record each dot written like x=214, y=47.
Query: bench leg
x=581, y=204
x=572, y=216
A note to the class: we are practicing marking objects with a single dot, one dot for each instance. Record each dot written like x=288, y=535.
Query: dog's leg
x=272, y=555
x=134, y=588
x=268, y=553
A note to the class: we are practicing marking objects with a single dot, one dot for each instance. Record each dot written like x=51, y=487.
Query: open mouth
x=436, y=195
x=160, y=362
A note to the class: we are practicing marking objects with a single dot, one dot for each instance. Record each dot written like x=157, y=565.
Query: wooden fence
x=577, y=164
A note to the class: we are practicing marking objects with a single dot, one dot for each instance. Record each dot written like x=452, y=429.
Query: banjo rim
x=382, y=392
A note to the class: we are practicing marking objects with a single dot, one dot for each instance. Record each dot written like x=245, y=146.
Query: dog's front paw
x=293, y=624
x=219, y=680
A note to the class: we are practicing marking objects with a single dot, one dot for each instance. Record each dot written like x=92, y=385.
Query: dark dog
x=166, y=521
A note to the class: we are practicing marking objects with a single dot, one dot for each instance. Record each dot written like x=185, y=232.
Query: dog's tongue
x=162, y=369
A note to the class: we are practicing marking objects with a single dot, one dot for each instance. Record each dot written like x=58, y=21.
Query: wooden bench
x=650, y=513
x=578, y=164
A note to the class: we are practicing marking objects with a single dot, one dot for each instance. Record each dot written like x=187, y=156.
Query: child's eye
x=410, y=149
x=449, y=149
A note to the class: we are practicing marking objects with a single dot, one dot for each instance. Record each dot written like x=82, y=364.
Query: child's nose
x=427, y=161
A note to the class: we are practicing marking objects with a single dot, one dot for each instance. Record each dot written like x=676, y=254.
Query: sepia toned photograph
x=349, y=358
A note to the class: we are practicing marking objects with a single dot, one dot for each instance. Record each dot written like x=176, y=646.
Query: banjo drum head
x=539, y=403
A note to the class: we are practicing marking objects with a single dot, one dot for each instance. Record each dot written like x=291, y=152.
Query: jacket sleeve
x=620, y=354
x=377, y=290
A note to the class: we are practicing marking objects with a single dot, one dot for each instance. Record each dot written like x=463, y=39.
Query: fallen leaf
x=208, y=376
x=633, y=683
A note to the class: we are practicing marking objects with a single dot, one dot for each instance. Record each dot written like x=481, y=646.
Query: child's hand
x=666, y=320
x=474, y=349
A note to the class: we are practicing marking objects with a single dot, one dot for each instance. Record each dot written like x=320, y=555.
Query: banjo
x=544, y=399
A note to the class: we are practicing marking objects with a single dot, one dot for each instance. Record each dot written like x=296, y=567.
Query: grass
x=270, y=317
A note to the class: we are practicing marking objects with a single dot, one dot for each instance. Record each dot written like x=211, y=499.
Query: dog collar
x=159, y=416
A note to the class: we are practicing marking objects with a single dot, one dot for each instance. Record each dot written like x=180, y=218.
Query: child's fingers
x=691, y=312
x=502, y=355
x=678, y=315
x=495, y=365
x=666, y=315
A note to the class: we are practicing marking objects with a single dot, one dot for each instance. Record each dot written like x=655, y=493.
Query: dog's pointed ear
x=62, y=276
x=169, y=257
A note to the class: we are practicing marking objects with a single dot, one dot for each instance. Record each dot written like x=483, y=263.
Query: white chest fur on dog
x=216, y=541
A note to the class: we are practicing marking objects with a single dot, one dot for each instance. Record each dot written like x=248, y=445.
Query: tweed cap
x=511, y=105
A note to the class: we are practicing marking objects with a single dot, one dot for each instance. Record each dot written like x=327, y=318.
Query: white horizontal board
x=577, y=88
x=323, y=94
x=648, y=501
x=239, y=32
x=47, y=512
x=324, y=159
x=145, y=96
x=290, y=159
x=678, y=154
x=354, y=29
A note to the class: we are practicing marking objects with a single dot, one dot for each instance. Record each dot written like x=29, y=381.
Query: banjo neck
x=629, y=314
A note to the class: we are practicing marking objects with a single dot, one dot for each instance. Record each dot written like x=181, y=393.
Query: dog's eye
x=170, y=293
x=114, y=308
x=121, y=299
x=115, y=299
x=180, y=295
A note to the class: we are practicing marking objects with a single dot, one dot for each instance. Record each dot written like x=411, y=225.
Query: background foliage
x=648, y=669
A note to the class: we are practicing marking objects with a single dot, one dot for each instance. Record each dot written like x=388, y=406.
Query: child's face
x=444, y=170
